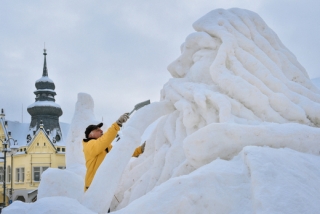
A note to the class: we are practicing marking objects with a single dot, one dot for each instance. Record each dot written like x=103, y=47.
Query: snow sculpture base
x=257, y=180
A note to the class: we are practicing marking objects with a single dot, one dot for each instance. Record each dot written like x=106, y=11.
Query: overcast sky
x=118, y=50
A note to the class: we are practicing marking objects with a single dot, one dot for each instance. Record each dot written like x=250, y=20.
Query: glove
x=122, y=119
x=142, y=146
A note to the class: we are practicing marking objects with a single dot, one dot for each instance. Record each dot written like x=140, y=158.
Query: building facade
x=29, y=149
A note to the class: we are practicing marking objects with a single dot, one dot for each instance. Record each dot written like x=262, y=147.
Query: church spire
x=45, y=70
x=44, y=110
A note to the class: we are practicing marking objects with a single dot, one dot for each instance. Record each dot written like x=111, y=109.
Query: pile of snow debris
x=236, y=131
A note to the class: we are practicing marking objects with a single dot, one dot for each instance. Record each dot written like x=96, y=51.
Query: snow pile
x=236, y=91
x=57, y=182
x=48, y=205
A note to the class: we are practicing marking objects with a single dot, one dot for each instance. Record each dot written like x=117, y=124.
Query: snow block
x=57, y=182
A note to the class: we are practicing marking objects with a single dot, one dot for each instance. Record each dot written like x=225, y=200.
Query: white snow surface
x=82, y=117
x=257, y=180
x=48, y=205
x=44, y=103
x=236, y=131
x=58, y=182
x=44, y=79
x=42, y=90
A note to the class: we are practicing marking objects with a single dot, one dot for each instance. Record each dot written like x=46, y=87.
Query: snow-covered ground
x=236, y=131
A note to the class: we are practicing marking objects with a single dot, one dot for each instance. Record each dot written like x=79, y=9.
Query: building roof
x=20, y=131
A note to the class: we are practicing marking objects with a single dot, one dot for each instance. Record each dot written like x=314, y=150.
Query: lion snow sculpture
x=234, y=85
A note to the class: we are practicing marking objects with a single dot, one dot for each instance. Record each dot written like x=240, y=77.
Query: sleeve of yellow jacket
x=95, y=147
x=137, y=152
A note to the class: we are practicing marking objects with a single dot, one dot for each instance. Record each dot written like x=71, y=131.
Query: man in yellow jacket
x=97, y=145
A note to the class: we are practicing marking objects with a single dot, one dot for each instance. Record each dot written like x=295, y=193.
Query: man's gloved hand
x=142, y=146
x=122, y=119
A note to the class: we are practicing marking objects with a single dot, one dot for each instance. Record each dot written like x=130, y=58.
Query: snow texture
x=48, y=205
x=44, y=79
x=45, y=90
x=58, y=182
x=236, y=131
x=83, y=116
x=234, y=85
x=44, y=103
x=257, y=180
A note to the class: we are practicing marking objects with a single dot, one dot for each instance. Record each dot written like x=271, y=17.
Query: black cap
x=91, y=128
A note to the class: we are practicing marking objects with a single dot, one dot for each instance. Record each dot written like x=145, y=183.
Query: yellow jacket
x=95, y=151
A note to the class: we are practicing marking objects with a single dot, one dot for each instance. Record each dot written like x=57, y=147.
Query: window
x=58, y=149
x=61, y=167
x=37, y=144
x=44, y=144
x=37, y=171
x=22, y=174
x=19, y=175
x=63, y=149
x=1, y=174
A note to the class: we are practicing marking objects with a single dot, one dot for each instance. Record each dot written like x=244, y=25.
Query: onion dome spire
x=45, y=70
x=44, y=111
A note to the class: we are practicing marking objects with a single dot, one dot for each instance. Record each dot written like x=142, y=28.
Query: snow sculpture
x=82, y=117
x=235, y=84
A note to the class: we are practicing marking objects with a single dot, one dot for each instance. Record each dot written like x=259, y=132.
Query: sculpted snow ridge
x=83, y=116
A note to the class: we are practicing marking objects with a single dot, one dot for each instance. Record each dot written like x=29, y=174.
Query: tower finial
x=45, y=70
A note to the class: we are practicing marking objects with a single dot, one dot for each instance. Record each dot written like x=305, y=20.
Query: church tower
x=44, y=110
